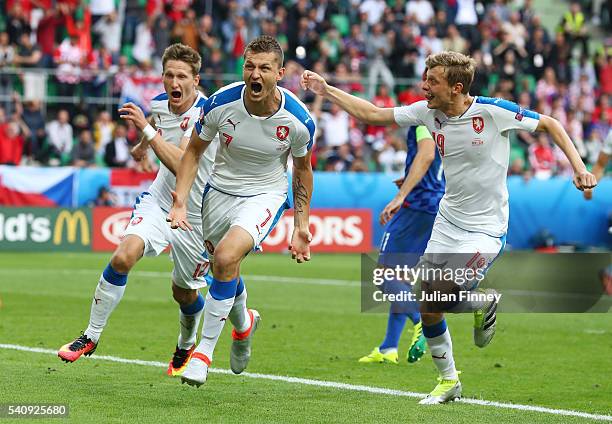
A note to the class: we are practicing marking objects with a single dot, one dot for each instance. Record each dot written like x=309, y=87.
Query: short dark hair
x=185, y=54
x=266, y=44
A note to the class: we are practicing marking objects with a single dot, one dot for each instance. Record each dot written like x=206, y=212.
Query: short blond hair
x=183, y=53
x=457, y=68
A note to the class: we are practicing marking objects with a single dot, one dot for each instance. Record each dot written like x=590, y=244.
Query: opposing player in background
x=408, y=220
x=471, y=134
x=174, y=114
x=259, y=125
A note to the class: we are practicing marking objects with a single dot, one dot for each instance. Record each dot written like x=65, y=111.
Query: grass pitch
x=312, y=328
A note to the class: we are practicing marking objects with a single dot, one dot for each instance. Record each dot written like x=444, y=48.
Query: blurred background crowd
x=65, y=66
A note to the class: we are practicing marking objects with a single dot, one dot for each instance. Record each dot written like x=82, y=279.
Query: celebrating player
x=259, y=125
x=174, y=113
x=408, y=220
x=471, y=134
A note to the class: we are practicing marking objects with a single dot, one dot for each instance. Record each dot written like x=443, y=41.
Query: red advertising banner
x=108, y=226
x=333, y=230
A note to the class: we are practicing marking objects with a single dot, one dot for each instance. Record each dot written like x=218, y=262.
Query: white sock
x=106, y=298
x=441, y=348
x=239, y=315
x=215, y=315
x=189, y=323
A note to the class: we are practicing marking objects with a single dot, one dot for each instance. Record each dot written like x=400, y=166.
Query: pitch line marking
x=332, y=385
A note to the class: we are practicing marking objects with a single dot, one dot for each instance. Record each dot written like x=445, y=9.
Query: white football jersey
x=173, y=128
x=475, y=152
x=252, y=154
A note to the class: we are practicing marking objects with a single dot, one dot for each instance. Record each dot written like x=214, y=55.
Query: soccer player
x=471, y=134
x=174, y=114
x=408, y=220
x=259, y=125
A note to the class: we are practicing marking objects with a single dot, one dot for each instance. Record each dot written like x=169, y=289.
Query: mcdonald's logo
x=71, y=221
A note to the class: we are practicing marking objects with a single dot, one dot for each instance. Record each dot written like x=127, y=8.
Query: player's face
x=437, y=90
x=180, y=83
x=261, y=72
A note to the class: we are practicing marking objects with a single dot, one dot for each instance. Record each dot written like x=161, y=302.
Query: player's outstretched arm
x=426, y=154
x=583, y=179
x=302, y=193
x=186, y=173
x=168, y=153
x=359, y=108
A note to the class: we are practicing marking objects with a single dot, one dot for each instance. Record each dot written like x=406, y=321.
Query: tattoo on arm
x=300, y=195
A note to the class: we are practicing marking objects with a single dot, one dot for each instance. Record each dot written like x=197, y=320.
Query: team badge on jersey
x=282, y=132
x=185, y=123
x=478, y=124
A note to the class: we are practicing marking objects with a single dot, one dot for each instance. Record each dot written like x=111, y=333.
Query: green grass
x=308, y=330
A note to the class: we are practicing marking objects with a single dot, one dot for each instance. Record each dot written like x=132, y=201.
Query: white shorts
x=451, y=247
x=190, y=261
x=256, y=214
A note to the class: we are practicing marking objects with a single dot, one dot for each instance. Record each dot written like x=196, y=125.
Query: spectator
x=373, y=9
x=393, y=156
x=84, y=152
x=108, y=30
x=33, y=117
x=542, y=158
x=454, y=41
x=59, y=137
x=28, y=56
x=6, y=61
x=378, y=50
x=103, y=129
x=69, y=57
x=46, y=32
x=105, y=198
x=144, y=45
x=117, y=152
x=574, y=27
x=421, y=10
x=335, y=126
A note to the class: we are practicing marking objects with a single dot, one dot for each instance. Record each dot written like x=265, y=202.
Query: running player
x=471, y=134
x=259, y=125
x=174, y=114
x=408, y=220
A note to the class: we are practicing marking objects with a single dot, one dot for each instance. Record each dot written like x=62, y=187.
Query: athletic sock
x=109, y=292
x=441, y=348
x=415, y=317
x=189, y=319
x=395, y=326
x=219, y=302
x=239, y=315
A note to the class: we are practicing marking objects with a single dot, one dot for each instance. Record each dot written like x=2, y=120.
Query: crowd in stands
x=372, y=48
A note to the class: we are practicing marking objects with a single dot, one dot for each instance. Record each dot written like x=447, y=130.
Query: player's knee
x=226, y=261
x=122, y=261
x=184, y=296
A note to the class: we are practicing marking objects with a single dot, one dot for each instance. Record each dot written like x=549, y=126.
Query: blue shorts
x=405, y=236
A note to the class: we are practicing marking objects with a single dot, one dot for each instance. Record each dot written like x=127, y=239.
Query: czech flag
x=31, y=186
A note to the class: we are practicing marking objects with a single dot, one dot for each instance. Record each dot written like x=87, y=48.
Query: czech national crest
x=282, y=132
x=478, y=124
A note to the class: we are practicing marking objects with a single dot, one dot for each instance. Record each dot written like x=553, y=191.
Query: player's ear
x=458, y=88
x=281, y=74
x=196, y=80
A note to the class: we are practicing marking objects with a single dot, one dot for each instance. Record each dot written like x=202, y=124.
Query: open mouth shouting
x=176, y=95
x=256, y=87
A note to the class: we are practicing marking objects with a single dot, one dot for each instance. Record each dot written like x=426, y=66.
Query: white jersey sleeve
x=607, y=146
x=207, y=126
x=412, y=115
x=304, y=125
x=510, y=116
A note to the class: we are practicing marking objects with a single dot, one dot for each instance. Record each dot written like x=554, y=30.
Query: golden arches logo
x=72, y=222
